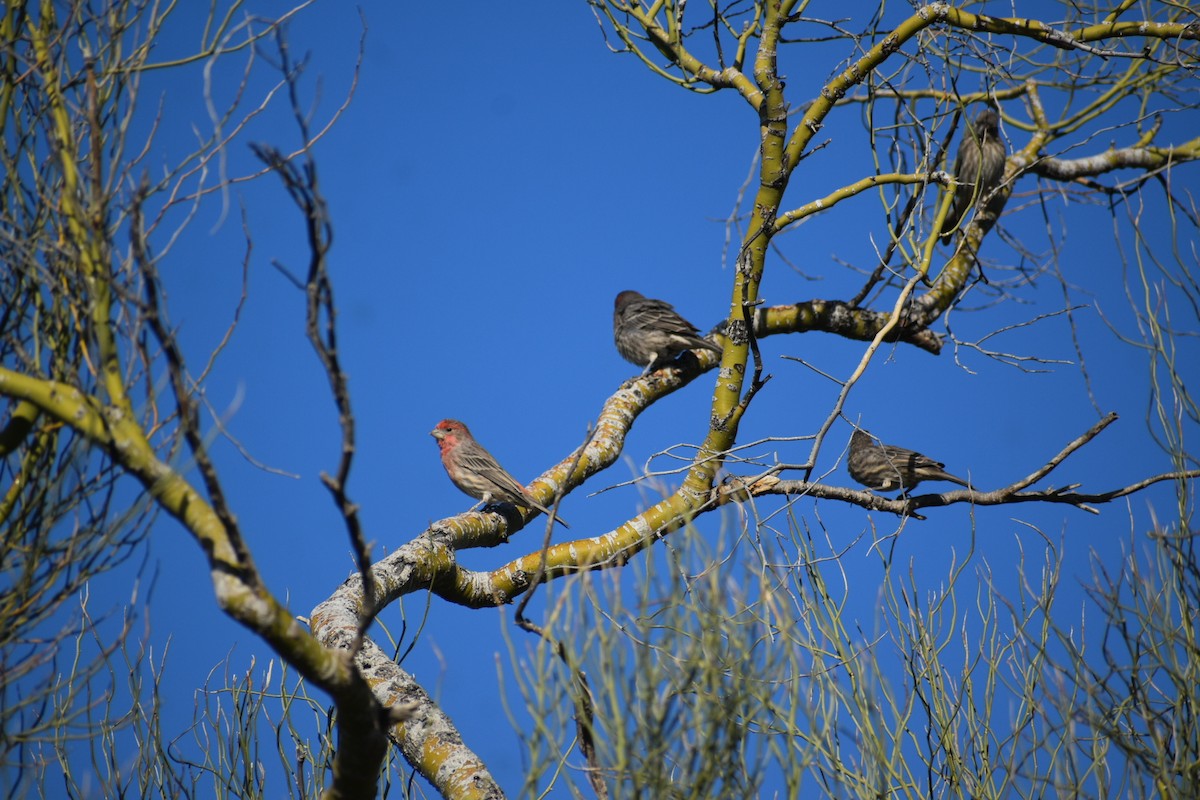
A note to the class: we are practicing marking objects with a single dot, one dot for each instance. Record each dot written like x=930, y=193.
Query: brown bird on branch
x=884, y=468
x=978, y=170
x=650, y=332
x=473, y=470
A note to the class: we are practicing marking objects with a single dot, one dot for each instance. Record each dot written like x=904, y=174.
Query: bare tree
x=86, y=337
x=747, y=662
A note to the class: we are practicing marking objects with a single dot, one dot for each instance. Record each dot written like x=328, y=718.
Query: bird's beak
x=437, y=433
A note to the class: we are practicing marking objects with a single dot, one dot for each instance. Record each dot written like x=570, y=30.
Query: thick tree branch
x=424, y=734
x=1147, y=158
x=1030, y=28
x=839, y=318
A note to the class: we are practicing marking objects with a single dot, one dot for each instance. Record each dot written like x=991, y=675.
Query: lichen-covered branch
x=1150, y=159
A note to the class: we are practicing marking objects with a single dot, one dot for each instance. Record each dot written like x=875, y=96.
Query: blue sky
x=494, y=183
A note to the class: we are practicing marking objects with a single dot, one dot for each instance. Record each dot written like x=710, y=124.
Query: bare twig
x=321, y=328
x=906, y=506
x=185, y=399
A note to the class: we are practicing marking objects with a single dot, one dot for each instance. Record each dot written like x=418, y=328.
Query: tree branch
x=740, y=489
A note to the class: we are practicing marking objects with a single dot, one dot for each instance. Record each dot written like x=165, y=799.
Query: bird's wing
x=661, y=316
x=909, y=458
x=484, y=464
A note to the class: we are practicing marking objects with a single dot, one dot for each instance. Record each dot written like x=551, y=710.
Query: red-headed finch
x=978, y=170
x=884, y=468
x=650, y=332
x=473, y=470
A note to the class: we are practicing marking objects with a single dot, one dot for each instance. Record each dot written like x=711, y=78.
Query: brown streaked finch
x=883, y=467
x=978, y=170
x=650, y=332
x=473, y=470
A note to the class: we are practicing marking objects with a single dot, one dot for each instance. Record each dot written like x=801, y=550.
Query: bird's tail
x=535, y=504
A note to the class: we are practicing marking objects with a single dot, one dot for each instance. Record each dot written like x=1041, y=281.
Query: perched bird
x=884, y=468
x=978, y=170
x=473, y=470
x=650, y=332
